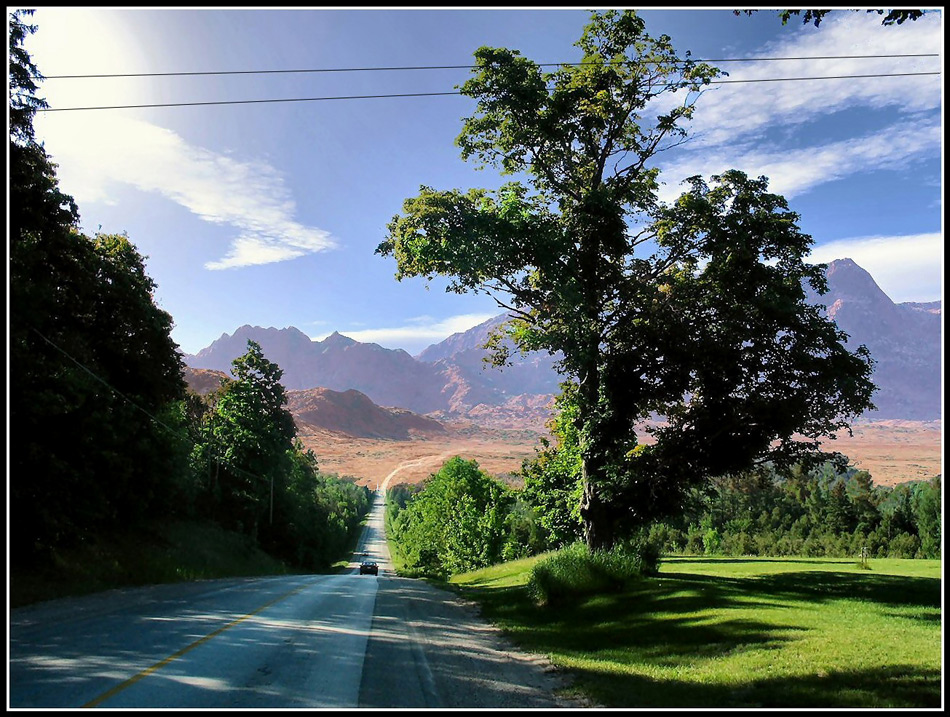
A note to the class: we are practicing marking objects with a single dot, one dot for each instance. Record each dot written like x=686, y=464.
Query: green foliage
x=927, y=517
x=524, y=533
x=456, y=523
x=143, y=554
x=893, y=17
x=251, y=474
x=316, y=515
x=715, y=311
x=552, y=479
x=23, y=100
x=575, y=571
x=250, y=434
x=820, y=512
x=103, y=432
x=94, y=373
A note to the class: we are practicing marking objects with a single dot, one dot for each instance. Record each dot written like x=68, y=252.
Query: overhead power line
x=439, y=94
x=106, y=383
x=447, y=67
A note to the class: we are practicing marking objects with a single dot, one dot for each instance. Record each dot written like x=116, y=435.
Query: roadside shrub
x=667, y=539
x=574, y=571
x=647, y=550
x=455, y=523
x=765, y=543
x=835, y=545
x=823, y=512
x=712, y=542
x=739, y=544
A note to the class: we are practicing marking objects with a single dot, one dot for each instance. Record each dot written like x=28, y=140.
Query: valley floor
x=892, y=451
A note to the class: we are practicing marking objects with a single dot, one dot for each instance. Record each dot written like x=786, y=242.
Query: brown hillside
x=354, y=414
x=204, y=380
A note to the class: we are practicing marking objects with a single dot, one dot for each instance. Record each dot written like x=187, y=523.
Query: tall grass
x=576, y=571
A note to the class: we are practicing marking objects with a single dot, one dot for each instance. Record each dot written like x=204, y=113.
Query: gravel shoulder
x=428, y=648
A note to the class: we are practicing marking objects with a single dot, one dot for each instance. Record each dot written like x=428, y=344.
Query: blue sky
x=269, y=214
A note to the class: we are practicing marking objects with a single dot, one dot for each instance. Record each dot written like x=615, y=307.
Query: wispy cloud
x=417, y=333
x=96, y=153
x=907, y=268
x=731, y=111
x=792, y=172
x=731, y=120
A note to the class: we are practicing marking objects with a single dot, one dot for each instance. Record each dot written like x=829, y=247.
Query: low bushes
x=576, y=571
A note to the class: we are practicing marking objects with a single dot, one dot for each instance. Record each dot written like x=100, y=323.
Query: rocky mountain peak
x=451, y=377
x=336, y=340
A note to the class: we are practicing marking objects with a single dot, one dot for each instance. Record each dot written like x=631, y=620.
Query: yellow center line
x=158, y=665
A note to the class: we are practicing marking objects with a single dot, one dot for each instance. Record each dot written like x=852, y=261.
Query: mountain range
x=451, y=385
x=904, y=341
x=450, y=379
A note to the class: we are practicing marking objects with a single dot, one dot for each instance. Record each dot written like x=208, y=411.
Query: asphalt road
x=303, y=641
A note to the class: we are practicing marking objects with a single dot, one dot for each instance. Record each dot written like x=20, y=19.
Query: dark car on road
x=369, y=567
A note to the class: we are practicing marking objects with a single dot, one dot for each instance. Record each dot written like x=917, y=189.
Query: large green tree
x=456, y=523
x=693, y=314
x=93, y=369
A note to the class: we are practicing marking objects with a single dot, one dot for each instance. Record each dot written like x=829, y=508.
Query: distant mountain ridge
x=904, y=341
x=450, y=378
x=354, y=414
x=389, y=377
x=348, y=412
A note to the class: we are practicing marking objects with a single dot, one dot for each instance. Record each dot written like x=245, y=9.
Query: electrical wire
x=178, y=433
x=438, y=94
x=450, y=67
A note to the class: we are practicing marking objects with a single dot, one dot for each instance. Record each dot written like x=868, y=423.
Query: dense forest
x=104, y=435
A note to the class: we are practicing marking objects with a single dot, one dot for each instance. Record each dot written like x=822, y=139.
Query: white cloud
x=907, y=268
x=419, y=333
x=731, y=111
x=96, y=151
x=792, y=172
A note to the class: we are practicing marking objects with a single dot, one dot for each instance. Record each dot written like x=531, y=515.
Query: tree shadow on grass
x=890, y=590
x=674, y=622
x=624, y=625
x=891, y=686
x=821, y=585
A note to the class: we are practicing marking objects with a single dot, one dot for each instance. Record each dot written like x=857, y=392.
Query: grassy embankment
x=167, y=553
x=738, y=632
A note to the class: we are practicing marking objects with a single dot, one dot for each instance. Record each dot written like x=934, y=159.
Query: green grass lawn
x=738, y=632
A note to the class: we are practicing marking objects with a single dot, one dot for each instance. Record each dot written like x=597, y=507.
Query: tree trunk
x=598, y=526
x=598, y=531
x=595, y=512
